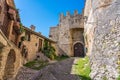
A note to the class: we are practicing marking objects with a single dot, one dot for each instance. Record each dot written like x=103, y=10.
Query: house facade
x=33, y=43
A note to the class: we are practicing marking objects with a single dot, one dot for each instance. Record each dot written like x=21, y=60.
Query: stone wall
x=9, y=64
x=77, y=35
x=102, y=34
x=3, y=17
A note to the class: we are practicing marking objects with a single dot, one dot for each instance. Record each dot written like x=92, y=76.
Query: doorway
x=79, y=50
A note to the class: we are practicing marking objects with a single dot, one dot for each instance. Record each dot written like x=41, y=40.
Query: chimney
x=32, y=27
x=75, y=12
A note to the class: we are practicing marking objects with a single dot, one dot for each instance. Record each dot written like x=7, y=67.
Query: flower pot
x=12, y=13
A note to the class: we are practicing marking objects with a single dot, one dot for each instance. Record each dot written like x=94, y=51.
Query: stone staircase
x=55, y=71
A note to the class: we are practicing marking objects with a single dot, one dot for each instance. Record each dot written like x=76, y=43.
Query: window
x=50, y=35
x=35, y=44
x=27, y=35
x=19, y=45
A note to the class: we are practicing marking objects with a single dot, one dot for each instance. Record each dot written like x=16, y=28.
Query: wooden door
x=78, y=50
x=40, y=45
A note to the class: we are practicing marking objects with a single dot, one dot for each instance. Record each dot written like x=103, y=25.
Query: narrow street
x=56, y=71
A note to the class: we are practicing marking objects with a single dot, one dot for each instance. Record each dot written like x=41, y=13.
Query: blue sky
x=45, y=13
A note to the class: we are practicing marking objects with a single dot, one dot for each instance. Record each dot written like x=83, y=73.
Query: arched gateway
x=79, y=50
x=9, y=68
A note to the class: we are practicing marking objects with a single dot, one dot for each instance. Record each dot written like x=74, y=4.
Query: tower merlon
x=61, y=15
x=67, y=13
x=32, y=27
x=75, y=12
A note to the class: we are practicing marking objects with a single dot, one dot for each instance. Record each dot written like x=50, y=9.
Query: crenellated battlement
x=69, y=16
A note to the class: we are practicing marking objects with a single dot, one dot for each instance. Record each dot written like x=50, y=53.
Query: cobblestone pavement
x=55, y=71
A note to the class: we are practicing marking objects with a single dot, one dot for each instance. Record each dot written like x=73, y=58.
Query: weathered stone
x=103, y=48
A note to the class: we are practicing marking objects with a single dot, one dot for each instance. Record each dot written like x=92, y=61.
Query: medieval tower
x=69, y=35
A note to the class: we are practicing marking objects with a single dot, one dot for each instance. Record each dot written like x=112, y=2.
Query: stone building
x=102, y=37
x=32, y=42
x=69, y=35
x=10, y=56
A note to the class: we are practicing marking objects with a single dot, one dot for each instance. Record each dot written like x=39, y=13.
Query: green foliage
x=104, y=78
x=49, y=50
x=21, y=28
x=23, y=38
x=118, y=77
x=59, y=58
x=18, y=15
x=82, y=68
x=37, y=65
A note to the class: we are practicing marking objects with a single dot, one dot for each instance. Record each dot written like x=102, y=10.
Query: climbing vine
x=49, y=50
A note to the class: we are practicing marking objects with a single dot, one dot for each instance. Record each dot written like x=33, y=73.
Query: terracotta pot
x=12, y=14
x=11, y=11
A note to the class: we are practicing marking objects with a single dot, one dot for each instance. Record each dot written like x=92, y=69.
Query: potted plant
x=23, y=38
x=21, y=29
x=12, y=13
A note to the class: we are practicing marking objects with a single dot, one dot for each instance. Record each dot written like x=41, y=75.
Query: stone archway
x=9, y=67
x=79, y=50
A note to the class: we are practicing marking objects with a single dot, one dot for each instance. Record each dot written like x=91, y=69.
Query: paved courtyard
x=56, y=71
